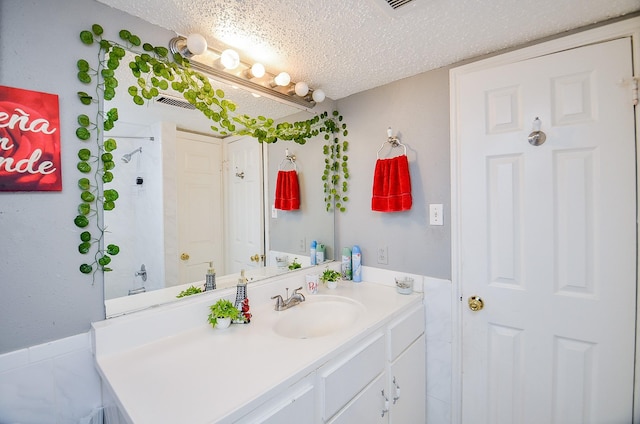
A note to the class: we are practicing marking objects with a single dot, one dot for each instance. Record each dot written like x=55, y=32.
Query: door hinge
x=633, y=81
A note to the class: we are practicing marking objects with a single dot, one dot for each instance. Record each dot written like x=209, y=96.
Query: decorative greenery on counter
x=189, y=291
x=295, y=264
x=223, y=308
x=155, y=70
x=329, y=275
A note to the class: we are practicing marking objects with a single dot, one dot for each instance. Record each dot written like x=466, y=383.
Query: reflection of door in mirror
x=199, y=166
x=245, y=220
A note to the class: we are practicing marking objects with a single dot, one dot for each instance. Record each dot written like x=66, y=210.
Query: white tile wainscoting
x=56, y=382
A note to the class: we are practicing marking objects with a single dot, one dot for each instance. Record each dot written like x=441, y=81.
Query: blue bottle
x=356, y=264
x=312, y=253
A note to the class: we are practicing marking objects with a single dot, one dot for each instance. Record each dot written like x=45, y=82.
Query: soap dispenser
x=210, y=281
x=242, y=302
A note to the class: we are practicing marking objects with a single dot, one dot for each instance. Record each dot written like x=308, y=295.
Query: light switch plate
x=435, y=214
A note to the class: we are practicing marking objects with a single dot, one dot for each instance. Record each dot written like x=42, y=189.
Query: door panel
x=199, y=166
x=245, y=229
x=547, y=239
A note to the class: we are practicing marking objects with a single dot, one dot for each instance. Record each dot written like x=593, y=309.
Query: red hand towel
x=391, y=185
x=287, y=191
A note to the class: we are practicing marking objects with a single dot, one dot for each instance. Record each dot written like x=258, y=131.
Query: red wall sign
x=29, y=141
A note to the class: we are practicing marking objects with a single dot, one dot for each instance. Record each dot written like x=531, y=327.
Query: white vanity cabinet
x=382, y=380
x=407, y=368
x=293, y=406
x=352, y=375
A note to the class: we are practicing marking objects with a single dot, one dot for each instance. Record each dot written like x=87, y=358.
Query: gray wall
x=417, y=108
x=43, y=296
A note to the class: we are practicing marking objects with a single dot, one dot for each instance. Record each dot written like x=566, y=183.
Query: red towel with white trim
x=287, y=191
x=391, y=185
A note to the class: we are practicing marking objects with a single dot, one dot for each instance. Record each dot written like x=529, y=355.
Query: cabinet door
x=368, y=406
x=407, y=393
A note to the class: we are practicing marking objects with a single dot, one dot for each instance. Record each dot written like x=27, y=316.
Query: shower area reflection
x=136, y=224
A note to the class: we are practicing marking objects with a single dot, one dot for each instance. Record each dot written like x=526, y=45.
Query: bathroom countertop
x=206, y=375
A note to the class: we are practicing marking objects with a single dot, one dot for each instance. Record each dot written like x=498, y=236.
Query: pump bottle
x=210, y=281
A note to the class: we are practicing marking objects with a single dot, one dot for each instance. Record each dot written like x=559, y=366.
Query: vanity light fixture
x=318, y=96
x=253, y=78
x=301, y=88
x=230, y=59
x=283, y=79
x=256, y=71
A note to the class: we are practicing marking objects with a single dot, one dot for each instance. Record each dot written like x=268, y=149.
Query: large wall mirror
x=189, y=196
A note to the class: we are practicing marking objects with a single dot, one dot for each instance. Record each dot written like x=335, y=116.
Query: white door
x=245, y=230
x=200, y=211
x=548, y=239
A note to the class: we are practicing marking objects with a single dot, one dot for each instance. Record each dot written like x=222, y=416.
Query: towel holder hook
x=393, y=140
x=290, y=158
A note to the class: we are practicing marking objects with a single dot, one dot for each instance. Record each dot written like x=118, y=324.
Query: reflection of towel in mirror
x=287, y=191
x=391, y=185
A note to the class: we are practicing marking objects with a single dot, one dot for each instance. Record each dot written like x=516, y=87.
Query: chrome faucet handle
x=279, y=302
x=300, y=294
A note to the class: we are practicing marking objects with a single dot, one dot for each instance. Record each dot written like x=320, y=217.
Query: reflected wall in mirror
x=189, y=197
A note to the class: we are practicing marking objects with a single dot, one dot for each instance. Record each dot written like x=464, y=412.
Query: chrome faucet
x=295, y=298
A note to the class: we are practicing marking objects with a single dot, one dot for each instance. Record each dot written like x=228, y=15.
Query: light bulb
x=301, y=88
x=257, y=70
x=196, y=44
x=282, y=79
x=230, y=59
x=318, y=96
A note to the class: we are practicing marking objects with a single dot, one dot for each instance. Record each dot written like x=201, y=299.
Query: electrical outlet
x=435, y=214
x=302, y=248
x=383, y=255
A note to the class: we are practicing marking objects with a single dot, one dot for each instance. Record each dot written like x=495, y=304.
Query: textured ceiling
x=348, y=46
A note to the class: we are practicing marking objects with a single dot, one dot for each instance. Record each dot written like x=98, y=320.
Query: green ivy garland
x=156, y=70
x=336, y=170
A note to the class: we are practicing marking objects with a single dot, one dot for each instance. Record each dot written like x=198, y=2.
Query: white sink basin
x=318, y=316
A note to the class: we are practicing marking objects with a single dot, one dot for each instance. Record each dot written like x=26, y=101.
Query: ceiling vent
x=394, y=4
x=174, y=101
x=396, y=7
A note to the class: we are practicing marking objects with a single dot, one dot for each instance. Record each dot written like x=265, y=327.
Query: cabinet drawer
x=342, y=379
x=404, y=330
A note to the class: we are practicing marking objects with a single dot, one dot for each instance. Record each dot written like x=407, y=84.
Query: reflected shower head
x=126, y=158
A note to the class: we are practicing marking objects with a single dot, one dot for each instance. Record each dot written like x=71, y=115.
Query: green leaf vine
x=155, y=69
